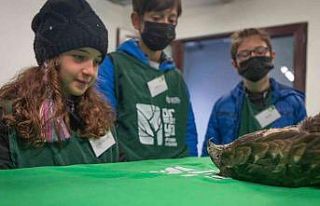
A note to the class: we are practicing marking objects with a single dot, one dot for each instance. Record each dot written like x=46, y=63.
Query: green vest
x=249, y=110
x=75, y=150
x=149, y=127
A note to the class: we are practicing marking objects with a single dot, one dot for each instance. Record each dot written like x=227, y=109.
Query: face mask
x=255, y=68
x=158, y=36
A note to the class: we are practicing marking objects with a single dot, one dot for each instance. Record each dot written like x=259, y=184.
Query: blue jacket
x=224, y=121
x=106, y=83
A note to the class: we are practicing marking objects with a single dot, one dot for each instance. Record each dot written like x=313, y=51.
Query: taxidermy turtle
x=284, y=157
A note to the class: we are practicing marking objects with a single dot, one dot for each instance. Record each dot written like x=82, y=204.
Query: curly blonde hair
x=32, y=86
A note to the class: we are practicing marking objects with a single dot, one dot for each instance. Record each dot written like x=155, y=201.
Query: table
x=186, y=181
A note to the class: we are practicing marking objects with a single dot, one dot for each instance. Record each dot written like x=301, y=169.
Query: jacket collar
x=277, y=90
x=132, y=48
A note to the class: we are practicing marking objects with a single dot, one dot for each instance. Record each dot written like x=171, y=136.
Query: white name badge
x=268, y=116
x=157, y=86
x=100, y=145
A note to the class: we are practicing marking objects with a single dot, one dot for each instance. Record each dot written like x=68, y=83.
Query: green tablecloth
x=188, y=181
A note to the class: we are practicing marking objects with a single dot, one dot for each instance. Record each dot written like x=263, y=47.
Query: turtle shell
x=284, y=157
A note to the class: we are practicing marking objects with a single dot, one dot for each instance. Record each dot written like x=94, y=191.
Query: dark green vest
x=249, y=110
x=149, y=127
x=75, y=150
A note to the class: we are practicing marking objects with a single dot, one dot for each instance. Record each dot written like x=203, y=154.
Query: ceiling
x=186, y=3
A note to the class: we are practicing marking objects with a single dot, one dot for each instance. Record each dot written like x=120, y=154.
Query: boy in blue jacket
x=154, y=114
x=257, y=102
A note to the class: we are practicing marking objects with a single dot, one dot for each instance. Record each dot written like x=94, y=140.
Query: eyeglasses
x=258, y=51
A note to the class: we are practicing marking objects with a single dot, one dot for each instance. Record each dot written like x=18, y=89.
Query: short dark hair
x=238, y=37
x=143, y=6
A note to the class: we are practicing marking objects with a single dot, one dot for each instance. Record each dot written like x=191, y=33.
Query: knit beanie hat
x=64, y=25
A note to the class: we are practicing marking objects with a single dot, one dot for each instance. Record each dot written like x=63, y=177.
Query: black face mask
x=255, y=68
x=158, y=36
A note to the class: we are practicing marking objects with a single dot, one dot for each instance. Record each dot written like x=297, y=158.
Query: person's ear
x=136, y=20
x=273, y=55
x=234, y=64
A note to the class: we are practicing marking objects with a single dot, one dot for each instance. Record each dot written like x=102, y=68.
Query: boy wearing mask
x=258, y=102
x=154, y=114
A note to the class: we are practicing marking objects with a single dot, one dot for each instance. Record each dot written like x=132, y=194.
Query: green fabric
x=75, y=150
x=149, y=127
x=140, y=183
x=249, y=110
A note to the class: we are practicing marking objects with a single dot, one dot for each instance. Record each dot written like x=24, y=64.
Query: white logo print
x=190, y=172
x=156, y=124
x=173, y=100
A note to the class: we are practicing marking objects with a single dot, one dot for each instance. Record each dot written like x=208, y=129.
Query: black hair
x=143, y=6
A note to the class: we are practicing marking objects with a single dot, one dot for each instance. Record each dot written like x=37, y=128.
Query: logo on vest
x=173, y=100
x=156, y=126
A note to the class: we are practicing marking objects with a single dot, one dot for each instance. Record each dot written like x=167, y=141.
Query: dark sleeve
x=300, y=109
x=212, y=131
x=191, y=134
x=5, y=160
x=105, y=83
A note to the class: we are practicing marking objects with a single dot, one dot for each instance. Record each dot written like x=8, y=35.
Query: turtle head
x=215, y=152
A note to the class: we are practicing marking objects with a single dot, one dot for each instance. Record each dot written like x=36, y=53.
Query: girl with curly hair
x=51, y=114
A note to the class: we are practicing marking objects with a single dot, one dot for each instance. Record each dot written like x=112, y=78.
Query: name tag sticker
x=157, y=86
x=101, y=145
x=268, y=116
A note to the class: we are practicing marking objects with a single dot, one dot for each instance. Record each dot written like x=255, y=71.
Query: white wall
x=112, y=15
x=261, y=13
x=16, y=36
